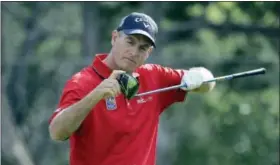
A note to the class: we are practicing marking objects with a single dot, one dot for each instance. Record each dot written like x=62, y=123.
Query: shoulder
x=80, y=76
x=158, y=69
x=82, y=80
x=150, y=67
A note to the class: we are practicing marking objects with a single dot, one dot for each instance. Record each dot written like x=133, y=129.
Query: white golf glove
x=194, y=78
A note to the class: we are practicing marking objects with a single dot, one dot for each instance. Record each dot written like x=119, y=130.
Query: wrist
x=96, y=95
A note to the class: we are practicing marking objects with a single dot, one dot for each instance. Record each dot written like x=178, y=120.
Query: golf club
x=227, y=77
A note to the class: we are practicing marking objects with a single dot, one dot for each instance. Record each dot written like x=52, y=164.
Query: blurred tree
x=44, y=43
x=92, y=27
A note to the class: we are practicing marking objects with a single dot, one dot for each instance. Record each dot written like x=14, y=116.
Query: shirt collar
x=102, y=68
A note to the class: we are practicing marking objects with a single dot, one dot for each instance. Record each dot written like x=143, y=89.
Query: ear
x=115, y=35
x=150, y=50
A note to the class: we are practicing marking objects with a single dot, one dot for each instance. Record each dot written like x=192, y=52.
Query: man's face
x=130, y=51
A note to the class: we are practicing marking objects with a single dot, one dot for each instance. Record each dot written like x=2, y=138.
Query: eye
x=129, y=42
x=143, y=48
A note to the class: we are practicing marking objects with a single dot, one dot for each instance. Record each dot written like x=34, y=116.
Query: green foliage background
x=44, y=43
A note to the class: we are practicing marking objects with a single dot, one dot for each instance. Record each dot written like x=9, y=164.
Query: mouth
x=130, y=60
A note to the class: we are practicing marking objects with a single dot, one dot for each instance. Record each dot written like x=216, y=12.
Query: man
x=104, y=127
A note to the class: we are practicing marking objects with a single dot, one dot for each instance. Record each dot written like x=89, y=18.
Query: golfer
x=105, y=128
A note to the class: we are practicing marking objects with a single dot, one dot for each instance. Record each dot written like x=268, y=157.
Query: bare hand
x=110, y=86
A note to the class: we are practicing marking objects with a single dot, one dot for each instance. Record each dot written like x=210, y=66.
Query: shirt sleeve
x=169, y=77
x=71, y=94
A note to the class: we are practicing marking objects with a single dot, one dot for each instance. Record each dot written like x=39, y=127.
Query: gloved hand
x=194, y=79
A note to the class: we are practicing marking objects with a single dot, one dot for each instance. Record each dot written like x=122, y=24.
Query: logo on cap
x=144, y=21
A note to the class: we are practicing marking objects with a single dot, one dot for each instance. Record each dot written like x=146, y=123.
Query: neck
x=109, y=62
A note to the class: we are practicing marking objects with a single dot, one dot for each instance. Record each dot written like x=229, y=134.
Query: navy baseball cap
x=139, y=23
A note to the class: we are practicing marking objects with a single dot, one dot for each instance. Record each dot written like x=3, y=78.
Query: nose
x=134, y=51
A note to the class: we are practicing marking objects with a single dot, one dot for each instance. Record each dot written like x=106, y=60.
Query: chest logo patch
x=111, y=103
x=142, y=100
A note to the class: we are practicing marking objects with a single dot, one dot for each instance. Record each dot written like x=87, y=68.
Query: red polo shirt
x=119, y=131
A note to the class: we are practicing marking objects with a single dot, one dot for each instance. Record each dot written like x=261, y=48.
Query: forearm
x=69, y=120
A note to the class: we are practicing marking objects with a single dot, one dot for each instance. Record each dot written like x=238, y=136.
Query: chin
x=128, y=68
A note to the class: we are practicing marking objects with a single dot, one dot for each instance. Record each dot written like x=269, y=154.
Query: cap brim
x=142, y=32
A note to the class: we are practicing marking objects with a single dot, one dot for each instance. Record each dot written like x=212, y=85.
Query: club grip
x=239, y=75
x=249, y=73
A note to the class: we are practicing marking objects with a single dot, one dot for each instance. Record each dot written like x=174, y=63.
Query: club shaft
x=160, y=90
x=227, y=77
x=239, y=75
